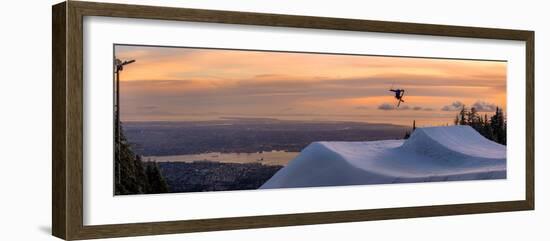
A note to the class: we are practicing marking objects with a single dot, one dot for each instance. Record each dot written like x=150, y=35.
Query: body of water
x=267, y=158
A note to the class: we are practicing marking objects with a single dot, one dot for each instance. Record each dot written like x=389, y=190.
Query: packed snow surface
x=430, y=154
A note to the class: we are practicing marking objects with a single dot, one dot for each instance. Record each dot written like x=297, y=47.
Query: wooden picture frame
x=67, y=152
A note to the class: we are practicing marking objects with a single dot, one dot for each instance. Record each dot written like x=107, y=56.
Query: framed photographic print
x=217, y=120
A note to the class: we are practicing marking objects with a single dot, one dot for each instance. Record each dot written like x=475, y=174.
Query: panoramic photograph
x=192, y=119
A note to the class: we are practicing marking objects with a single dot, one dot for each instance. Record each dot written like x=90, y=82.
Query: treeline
x=492, y=128
x=132, y=175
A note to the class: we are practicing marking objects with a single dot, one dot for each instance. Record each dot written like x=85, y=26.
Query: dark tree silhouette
x=462, y=115
x=498, y=125
x=493, y=128
x=157, y=183
x=132, y=175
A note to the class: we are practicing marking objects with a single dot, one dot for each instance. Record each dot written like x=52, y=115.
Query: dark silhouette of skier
x=399, y=93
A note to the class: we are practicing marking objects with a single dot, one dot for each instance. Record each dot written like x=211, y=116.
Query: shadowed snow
x=430, y=154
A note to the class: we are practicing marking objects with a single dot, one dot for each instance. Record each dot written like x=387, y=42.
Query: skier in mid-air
x=399, y=93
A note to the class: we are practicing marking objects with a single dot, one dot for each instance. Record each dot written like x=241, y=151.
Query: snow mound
x=430, y=154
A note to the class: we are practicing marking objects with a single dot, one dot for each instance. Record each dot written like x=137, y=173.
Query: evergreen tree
x=487, y=129
x=473, y=118
x=504, y=138
x=131, y=176
x=498, y=126
x=157, y=184
x=462, y=115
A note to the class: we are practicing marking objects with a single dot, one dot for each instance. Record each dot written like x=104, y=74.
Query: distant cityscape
x=247, y=135
x=201, y=176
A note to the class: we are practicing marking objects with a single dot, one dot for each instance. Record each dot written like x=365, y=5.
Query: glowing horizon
x=183, y=84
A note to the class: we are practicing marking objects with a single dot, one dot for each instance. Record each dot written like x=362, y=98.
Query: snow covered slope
x=430, y=154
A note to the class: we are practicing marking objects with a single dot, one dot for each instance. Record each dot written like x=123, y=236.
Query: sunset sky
x=182, y=84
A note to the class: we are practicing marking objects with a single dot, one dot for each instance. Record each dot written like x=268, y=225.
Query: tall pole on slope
x=119, y=66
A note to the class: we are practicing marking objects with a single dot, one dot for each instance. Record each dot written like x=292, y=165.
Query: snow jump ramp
x=431, y=154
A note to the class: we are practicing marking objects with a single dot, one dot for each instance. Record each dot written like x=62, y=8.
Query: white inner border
x=101, y=207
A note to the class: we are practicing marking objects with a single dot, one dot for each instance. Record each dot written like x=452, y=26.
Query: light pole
x=119, y=66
